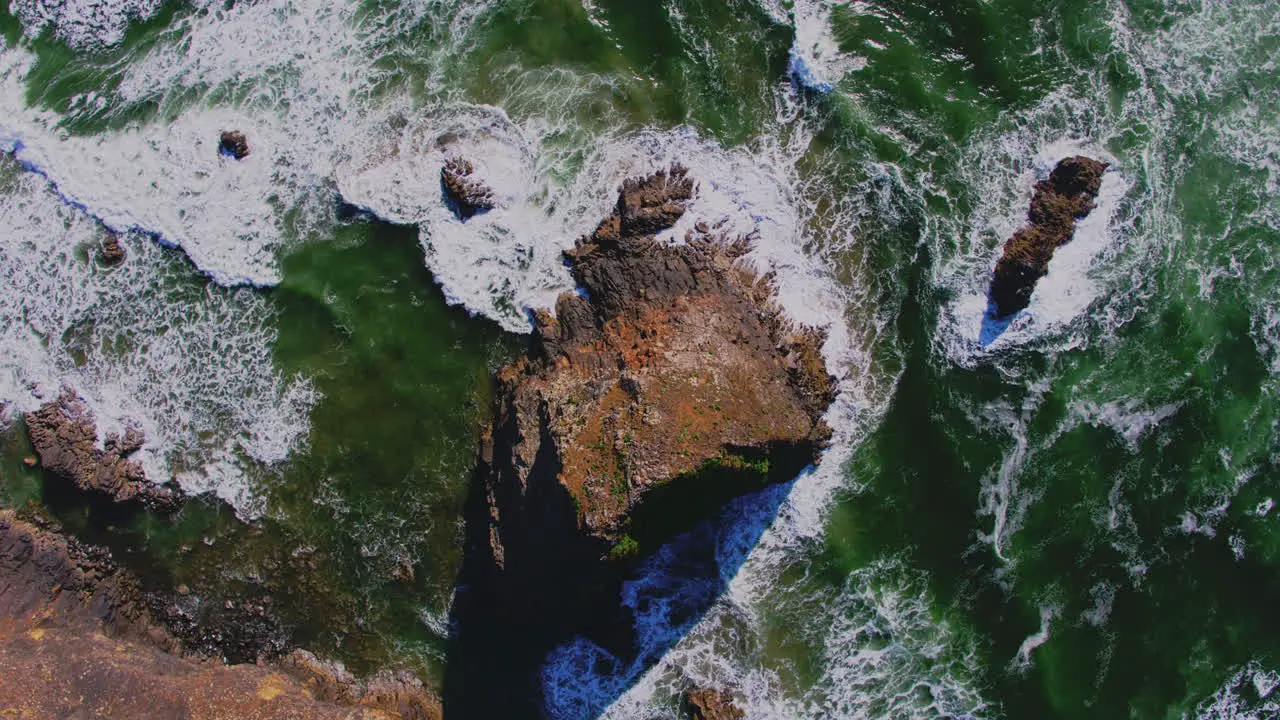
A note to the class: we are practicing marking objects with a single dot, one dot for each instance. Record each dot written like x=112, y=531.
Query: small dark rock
x=466, y=196
x=233, y=143
x=112, y=251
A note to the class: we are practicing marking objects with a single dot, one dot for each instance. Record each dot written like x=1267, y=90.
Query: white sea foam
x=144, y=343
x=1247, y=695
x=83, y=23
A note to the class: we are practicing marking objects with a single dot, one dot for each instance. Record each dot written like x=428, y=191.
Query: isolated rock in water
x=1058, y=203
x=464, y=194
x=672, y=385
x=77, y=640
x=112, y=251
x=64, y=433
x=234, y=144
x=710, y=705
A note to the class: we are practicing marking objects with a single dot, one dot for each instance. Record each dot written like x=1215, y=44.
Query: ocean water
x=1070, y=514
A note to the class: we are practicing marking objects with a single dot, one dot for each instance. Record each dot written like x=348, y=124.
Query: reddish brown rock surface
x=65, y=435
x=76, y=641
x=1058, y=203
x=710, y=705
x=676, y=357
x=670, y=386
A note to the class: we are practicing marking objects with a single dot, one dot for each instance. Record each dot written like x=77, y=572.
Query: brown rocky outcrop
x=1058, y=203
x=76, y=640
x=710, y=705
x=675, y=357
x=234, y=144
x=671, y=385
x=65, y=435
x=466, y=195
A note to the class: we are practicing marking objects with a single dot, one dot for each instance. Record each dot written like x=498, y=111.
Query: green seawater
x=1069, y=517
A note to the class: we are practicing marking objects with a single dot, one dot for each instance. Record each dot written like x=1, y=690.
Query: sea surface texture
x=1067, y=513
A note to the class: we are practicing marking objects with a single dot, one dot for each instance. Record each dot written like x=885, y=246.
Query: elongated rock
x=1067, y=196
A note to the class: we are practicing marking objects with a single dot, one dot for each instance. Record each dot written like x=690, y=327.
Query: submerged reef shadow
x=570, y=639
x=993, y=326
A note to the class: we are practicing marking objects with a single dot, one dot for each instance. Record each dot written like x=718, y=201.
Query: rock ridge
x=1065, y=197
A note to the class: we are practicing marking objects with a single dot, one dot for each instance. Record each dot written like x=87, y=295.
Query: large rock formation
x=670, y=385
x=65, y=435
x=674, y=358
x=465, y=195
x=76, y=640
x=1058, y=202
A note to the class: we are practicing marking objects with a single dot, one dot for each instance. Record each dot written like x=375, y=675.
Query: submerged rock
x=670, y=386
x=65, y=434
x=77, y=640
x=1058, y=203
x=234, y=144
x=710, y=705
x=464, y=194
x=112, y=251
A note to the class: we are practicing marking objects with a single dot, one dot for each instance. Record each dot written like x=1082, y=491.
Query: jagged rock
x=678, y=358
x=234, y=144
x=464, y=194
x=672, y=385
x=1058, y=203
x=112, y=251
x=710, y=705
x=77, y=640
x=64, y=434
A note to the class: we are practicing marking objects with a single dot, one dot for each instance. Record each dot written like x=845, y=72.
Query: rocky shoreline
x=670, y=384
x=64, y=433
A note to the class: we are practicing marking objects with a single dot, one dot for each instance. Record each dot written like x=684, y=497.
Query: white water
x=144, y=343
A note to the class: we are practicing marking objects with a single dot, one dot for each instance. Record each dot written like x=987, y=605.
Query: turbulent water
x=1070, y=514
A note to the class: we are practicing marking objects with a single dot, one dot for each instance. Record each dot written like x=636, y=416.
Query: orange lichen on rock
x=675, y=355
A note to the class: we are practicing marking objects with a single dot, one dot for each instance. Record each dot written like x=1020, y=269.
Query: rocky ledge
x=65, y=435
x=670, y=384
x=1058, y=203
x=77, y=640
x=710, y=705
